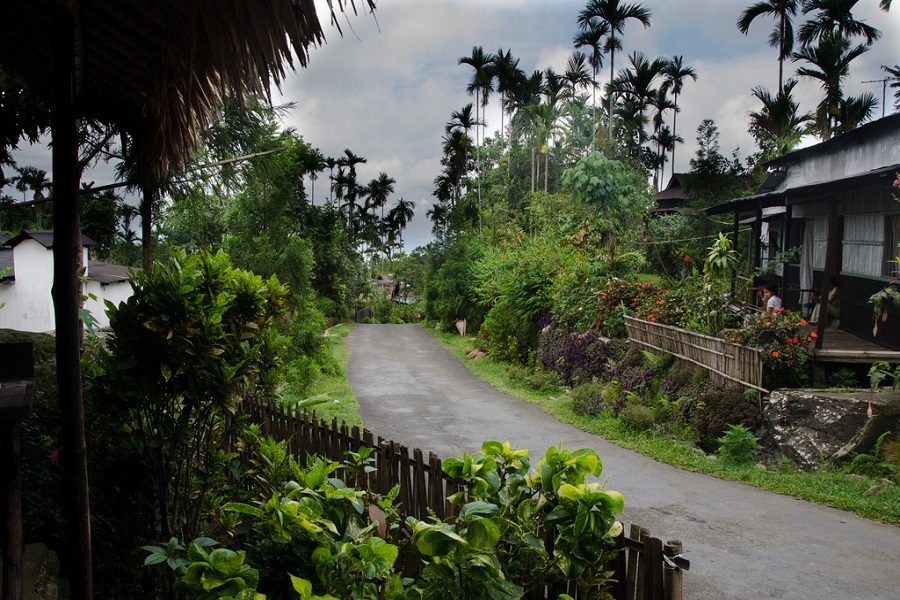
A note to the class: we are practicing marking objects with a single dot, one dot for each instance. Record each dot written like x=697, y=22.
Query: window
x=891, y=252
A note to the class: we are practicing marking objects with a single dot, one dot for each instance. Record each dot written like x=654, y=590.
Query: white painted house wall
x=114, y=292
x=28, y=303
x=28, y=299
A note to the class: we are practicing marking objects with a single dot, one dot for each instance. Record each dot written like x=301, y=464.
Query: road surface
x=742, y=542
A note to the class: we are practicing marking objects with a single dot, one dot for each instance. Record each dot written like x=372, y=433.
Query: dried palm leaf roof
x=156, y=68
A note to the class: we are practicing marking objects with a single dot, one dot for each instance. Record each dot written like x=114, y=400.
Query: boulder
x=809, y=427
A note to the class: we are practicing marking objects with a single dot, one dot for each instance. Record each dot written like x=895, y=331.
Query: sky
x=387, y=87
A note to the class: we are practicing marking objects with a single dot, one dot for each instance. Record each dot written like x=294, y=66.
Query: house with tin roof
x=26, y=281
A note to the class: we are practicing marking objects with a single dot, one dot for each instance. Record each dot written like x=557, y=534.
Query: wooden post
x=67, y=294
x=831, y=251
x=785, y=247
x=673, y=575
x=735, y=230
x=16, y=399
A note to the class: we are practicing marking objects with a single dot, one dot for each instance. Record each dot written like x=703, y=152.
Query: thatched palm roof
x=156, y=68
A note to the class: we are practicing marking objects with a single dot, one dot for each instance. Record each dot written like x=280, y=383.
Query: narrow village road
x=742, y=542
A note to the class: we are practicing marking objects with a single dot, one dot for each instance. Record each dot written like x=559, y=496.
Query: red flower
x=802, y=322
x=814, y=335
x=775, y=354
x=687, y=258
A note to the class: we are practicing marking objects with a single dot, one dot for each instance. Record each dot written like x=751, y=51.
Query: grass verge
x=831, y=486
x=332, y=382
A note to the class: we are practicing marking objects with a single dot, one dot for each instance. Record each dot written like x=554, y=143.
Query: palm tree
x=378, y=190
x=854, y=111
x=591, y=36
x=835, y=16
x=350, y=187
x=509, y=77
x=778, y=126
x=783, y=35
x=665, y=141
x=482, y=85
x=636, y=83
x=315, y=165
x=438, y=214
x=615, y=16
x=401, y=214
x=676, y=73
x=330, y=163
x=576, y=75
x=34, y=179
x=832, y=57
x=661, y=103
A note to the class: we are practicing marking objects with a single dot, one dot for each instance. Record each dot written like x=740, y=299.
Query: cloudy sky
x=386, y=88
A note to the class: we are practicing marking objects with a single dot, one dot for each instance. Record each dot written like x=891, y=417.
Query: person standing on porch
x=770, y=297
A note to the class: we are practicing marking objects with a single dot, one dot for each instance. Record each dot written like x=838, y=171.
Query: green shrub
x=718, y=409
x=637, y=416
x=543, y=379
x=195, y=339
x=843, y=378
x=587, y=399
x=737, y=445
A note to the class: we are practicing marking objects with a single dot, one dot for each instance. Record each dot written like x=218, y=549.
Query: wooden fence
x=645, y=568
x=725, y=361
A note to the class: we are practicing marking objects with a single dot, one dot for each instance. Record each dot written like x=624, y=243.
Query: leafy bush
x=449, y=284
x=784, y=346
x=719, y=409
x=164, y=389
x=578, y=357
x=587, y=399
x=319, y=533
x=737, y=445
x=637, y=416
x=843, y=378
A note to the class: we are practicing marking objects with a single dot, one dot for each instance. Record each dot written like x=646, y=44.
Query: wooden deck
x=842, y=346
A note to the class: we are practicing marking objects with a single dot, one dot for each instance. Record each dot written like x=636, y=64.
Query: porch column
x=735, y=229
x=67, y=292
x=785, y=247
x=831, y=251
x=757, y=245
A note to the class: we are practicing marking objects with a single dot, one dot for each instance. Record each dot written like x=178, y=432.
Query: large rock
x=811, y=426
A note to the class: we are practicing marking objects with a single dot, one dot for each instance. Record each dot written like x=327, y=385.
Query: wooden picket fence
x=645, y=568
x=726, y=361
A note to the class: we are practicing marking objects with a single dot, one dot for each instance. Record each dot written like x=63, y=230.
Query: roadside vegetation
x=840, y=486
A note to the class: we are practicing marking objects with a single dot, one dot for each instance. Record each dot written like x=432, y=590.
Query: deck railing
x=725, y=361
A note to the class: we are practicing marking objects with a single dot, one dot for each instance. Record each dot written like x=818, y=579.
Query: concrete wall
x=28, y=300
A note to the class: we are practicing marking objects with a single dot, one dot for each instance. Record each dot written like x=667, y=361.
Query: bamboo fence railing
x=725, y=361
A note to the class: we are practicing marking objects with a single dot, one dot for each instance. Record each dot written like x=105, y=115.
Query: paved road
x=742, y=542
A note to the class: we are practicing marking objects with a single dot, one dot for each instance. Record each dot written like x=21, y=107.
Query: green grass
x=829, y=486
x=341, y=404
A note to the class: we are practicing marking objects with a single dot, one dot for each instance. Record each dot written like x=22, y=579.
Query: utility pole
x=883, y=82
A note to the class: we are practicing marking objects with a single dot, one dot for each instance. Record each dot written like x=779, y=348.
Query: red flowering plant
x=784, y=346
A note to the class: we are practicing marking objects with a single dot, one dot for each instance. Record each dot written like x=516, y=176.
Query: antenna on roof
x=883, y=81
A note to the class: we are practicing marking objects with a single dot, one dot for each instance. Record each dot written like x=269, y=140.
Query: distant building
x=674, y=197
x=25, y=288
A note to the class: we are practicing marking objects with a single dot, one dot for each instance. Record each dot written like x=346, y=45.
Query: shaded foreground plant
x=195, y=338
x=315, y=536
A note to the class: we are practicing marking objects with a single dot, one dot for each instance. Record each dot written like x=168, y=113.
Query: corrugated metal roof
x=106, y=273
x=6, y=262
x=43, y=237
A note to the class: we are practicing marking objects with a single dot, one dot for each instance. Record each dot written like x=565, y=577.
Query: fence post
x=673, y=574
